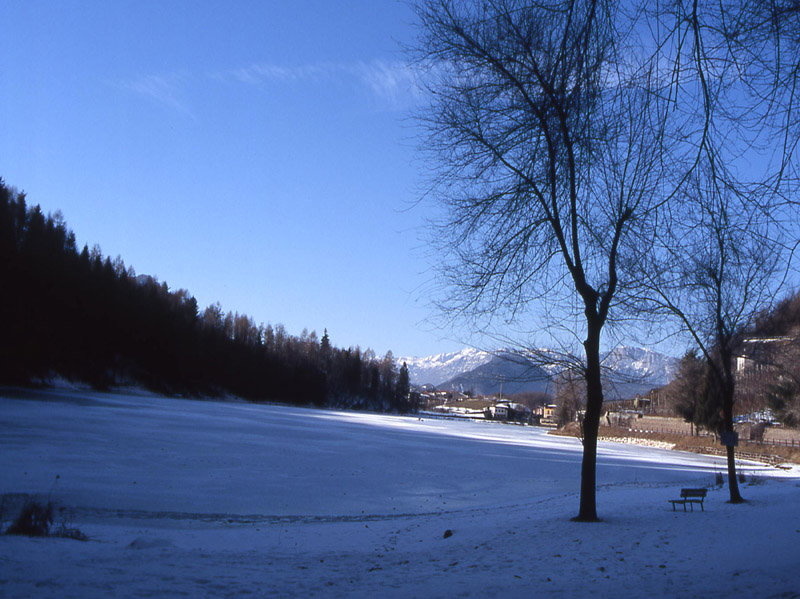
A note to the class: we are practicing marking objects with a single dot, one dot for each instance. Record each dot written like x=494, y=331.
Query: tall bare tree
x=544, y=133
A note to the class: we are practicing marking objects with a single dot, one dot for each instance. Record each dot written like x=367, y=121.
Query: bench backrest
x=693, y=492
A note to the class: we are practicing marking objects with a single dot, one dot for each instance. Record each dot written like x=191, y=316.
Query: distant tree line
x=77, y=314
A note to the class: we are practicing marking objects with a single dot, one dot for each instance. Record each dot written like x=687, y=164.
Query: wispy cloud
x=267, y=72
x=165, y=90
x=389, y=85
x=392, y=85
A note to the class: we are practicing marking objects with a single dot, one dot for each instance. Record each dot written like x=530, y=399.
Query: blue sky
x=256, y=153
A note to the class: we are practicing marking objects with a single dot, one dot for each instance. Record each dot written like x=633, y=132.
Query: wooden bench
x=690, y=496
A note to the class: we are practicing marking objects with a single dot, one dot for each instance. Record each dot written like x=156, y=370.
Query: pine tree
x=325, y=351
x=403, y=388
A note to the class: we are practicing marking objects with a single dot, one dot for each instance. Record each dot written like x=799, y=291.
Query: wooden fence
x=792, y=442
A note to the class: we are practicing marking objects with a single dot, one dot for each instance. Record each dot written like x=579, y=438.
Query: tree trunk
x=733, y=483
x=591, y=425
x=728, y=388
x=727, y=414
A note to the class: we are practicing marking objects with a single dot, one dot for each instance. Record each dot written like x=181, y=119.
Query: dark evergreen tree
x=784, y=400
x=404, y=388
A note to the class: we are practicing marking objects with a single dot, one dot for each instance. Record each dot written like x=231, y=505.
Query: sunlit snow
x=219, y=499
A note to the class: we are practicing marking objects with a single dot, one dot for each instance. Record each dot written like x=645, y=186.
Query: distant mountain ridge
x=630, y=370
x=440, y=368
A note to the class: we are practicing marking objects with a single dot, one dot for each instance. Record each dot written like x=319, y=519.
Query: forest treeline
x=77, y=314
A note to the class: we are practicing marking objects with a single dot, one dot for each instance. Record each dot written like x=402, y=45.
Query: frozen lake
x=149, y=453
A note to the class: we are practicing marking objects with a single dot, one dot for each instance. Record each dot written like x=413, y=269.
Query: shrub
x=66, y=532
x=34, y=520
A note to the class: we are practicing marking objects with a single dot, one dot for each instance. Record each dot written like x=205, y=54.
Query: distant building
x=499, y=412
x=761, y=353
x=549, y=415
x=509, y=411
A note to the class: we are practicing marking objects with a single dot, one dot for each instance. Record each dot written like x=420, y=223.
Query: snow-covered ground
x=214, y=499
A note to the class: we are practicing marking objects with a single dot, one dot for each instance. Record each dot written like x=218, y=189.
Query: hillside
x=503, y=372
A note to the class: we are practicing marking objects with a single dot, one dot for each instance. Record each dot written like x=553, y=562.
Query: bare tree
x=544, y=134
x=570, y=392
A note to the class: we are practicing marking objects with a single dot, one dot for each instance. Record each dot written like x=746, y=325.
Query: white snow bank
x=212, y=499
x=638, y=441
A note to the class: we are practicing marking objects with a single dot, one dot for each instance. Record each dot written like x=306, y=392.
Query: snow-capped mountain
x=641, y=364
x=628, y=371
x=440, y=368
x=503, y=372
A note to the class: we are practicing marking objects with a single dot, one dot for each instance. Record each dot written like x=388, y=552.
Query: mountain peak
x=631, y=369
x=440, y=368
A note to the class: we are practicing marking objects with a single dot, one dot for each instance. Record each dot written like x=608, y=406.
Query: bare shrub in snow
x=36, y=519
